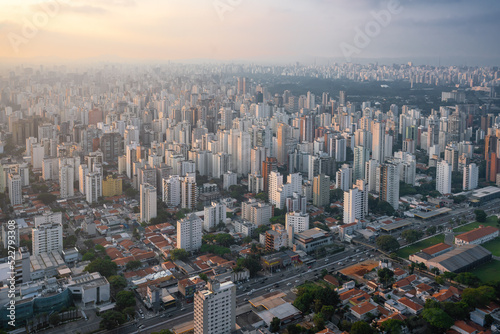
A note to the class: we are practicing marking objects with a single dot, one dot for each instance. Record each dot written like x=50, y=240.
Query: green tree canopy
x=387, y=243
x=361, y=327
x=438, y=318
x=385, y=276
x=412, y=235
x=104, y=266
x=133, y=265
x=125, y=299
x=478, y=297
x=54, y=319
x=275, y=324
x=47, y=198
x=117, y=283
x=179, y=254
x=112, y=319
x=480, y=215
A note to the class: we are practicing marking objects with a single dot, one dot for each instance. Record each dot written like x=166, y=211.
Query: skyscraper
x=215, y=309
x=321, y=190
x=298, y=221
x=470, y=178
x=443, y=177
x=361, y=156
x=389, y=184
x=189, y=233
x=282, y=139
x=14, y=184
x=93, y=187
x=378, y=141
x=66, y=179
x=147, y=202
x=189, y=191
x=214, y=215
x=47, y=235
x=356, y=202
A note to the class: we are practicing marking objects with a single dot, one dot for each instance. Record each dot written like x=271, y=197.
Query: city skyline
x=437, y=32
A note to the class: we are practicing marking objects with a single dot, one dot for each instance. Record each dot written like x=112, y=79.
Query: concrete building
x=66, y=180
x=172, y=191
x=477, y=236
x=309, y=240
x=14, y=184
x=470, y=178
x=93, y=187
x=215, y=214
x=189, y=191
x=215, y=309
x=321, y=190
x=47, y=235
x=147, y=202
x=297, y=220
x=356, y=203
x=443, y=177
x=189, y=233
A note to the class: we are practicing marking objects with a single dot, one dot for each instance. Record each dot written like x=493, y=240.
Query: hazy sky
x=247, y=29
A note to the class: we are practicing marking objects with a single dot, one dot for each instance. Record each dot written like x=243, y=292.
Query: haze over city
x=429, y=32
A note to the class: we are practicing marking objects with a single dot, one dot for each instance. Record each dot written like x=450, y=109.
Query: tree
x=179, y=254
x=431, y=230
x=438, y=318
x=69, y=241
x=261, y=196
x=252, y=263
x=385, y=276
x=478, y=297
x=412, y=235
x=104, y=266
x=89, y=256
x=392, y=326
x=133, y=265
x=224, y=239
x=274, y=326
x=387, y=243
x=319, y=322
x=468, y=279
x=130, y=311
x=261, y=229
x=361, y=327
x=125, y=299
x=328, y=311
x=117, y=283
x=112, y=319
x=480, y=215
x=47, y=198
x=324, y=272
x=204, y=277
x=54, y=319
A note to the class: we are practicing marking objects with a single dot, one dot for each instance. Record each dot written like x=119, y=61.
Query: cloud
x=68, y=8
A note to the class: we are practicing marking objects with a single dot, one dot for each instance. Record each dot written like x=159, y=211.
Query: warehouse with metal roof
x=461, y=259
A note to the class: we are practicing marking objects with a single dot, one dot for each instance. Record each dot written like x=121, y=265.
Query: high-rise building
x=14, y=184
x=111, y=186
x=356, y=202
x=282, y=139
x=268, y=166
x=111, y=145
x=343, y=178
x=47, y=235
x=172, y=191
x=189, y=191
x=147, y=202
x=189, y=233
x=443, y=177
x=93, y=187
x=371, y=175
x=37, y=155
x=378, y=141
x=215, y=214
x=215, y=309
x=470, y=178
x=361, y=156
x=389, y=184
x=66, y=181
x=298, y=221
x=321, y=190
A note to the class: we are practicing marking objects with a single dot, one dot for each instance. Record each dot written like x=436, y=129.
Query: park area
x=407, y=251
x=490, y=221
x=488, y=272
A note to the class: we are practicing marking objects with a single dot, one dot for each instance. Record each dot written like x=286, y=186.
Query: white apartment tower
x=147, y=202
x=189, y=233
x=298, y=221
x=443, y=177
x=189, y=191
x=215, y=309
x=66, y=180
x=93, y=186
x=14, y=184
x=47, y=233
x=172, y=191
x=356, y=202
x=471, y=175
x=214, y=215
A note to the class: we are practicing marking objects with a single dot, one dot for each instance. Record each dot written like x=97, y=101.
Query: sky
x=251, y=30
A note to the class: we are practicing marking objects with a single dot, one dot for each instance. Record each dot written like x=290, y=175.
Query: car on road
x=289, y=283
x=142, y=326
x=297, y=281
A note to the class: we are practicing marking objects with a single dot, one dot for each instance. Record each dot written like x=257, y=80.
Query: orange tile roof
x=477, y=233
x=462, y=325
x=363, y=308
x=436, y=248
x=410, y=304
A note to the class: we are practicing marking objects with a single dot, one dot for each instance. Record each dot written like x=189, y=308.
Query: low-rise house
x=411, y=306
x=477, y=236
x=364, y=310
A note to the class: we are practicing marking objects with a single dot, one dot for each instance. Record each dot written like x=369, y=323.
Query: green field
x=407, y=251
x=490, y=221
x=488, y=271
x=493, y=246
